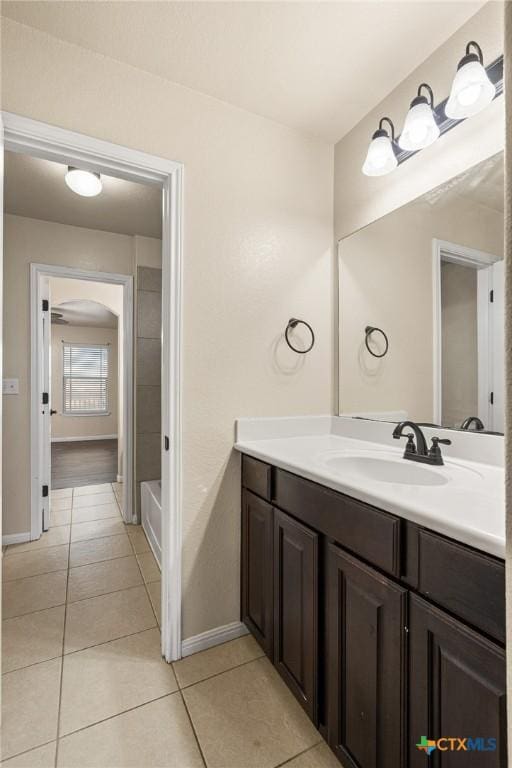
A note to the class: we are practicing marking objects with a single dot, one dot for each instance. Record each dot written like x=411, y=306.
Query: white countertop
x=470, y=507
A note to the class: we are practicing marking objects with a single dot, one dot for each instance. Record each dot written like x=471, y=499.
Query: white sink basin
x=385, y=470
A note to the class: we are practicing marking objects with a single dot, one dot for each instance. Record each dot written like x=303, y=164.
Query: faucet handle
x=436, y=441
x=410, y=447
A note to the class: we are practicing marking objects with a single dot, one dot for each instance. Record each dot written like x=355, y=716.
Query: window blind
x=85, y=386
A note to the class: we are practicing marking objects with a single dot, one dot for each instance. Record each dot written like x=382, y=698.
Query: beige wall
x=27, y=241
x=386, y=281
x=459, y=312
x=83, y=426
x=358, y=199
x=258, y=250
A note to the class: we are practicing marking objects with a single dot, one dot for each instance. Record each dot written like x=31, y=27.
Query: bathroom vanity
x=384, y=615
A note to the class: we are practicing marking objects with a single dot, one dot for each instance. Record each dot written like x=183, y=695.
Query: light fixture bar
x=495, y=75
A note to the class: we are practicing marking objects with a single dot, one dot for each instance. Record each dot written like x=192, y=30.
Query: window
x=85, y=368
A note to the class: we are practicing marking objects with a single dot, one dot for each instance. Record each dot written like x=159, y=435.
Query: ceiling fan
x=57, y=318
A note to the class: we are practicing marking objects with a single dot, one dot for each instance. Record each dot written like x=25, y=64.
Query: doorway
x=25, y=136
x=81, y=385
x=469, y=366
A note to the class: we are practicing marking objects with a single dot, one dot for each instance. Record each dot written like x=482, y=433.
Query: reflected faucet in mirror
x=418, y=451
x=466, y=424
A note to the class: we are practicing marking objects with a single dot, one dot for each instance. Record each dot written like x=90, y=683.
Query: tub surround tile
x=108, y=679
x=107, y=617
x=32, y=638
x=24, y=564
x=149, y=361
x=30, y=704
x=101, y=578
x=33, y=594
x=149, y=279
x=213, y=661
x=149, y=315
x=149, y=457
x=248, y=717
x=148, y=409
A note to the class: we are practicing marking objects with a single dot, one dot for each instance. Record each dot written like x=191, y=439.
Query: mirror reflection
x=421, y=308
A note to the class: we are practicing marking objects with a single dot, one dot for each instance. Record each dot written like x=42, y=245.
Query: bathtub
x=151, y=513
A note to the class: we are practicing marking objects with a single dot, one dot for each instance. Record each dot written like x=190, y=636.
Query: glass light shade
x=381, y=158
x=420, y=128
x=471, y=91
x=85, y=183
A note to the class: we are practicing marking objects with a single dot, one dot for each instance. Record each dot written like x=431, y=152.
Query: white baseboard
x=119, y=478
x=15, y=538
x=81, y=439
x=213, y=637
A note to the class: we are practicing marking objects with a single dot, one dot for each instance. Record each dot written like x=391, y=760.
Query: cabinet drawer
x=467, y=583
x=366, y=531
x=257, y=477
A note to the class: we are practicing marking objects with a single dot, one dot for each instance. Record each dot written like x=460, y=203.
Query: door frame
x=443, y=250
x=50, y=142
x=38, y=272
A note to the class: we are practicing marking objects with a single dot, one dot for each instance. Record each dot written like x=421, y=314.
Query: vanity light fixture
x=84, y=183
x=420, y=127
x=381, y=157
x=472, y=90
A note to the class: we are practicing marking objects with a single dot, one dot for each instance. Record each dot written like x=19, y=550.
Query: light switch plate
x=11, y=387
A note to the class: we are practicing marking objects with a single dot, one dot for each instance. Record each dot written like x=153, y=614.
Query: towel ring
x=292, y=323
x=368, y=332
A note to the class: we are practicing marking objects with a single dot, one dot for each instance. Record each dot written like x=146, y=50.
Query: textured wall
x=257, y=251
x=148, y=355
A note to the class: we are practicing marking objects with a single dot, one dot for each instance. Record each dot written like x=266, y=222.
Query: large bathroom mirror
x=421, y=318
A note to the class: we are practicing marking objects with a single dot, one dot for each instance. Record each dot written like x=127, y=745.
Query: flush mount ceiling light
x=381, y=158
x=420, y=127
x=471, y=90
x=85, y=183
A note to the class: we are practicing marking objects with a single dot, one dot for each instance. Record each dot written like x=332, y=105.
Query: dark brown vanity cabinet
x=296, y=608
x=385, y=632
x=257, y=579
x=366, y=651
x=457, y=689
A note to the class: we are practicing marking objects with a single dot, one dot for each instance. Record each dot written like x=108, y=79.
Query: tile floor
x=84, y=684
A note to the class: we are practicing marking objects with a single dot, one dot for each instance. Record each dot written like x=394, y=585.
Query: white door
x=44, y=395
x=497, y=343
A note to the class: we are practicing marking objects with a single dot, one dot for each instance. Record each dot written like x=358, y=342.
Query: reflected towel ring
x=292, y=323
x=368, y=332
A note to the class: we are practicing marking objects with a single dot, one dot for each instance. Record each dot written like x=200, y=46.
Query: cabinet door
x=457, y=689
x=366, y=661
x=257, y=586
x=296, y=608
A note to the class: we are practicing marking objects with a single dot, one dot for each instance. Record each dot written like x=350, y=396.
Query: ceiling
x=84, y=312
x=35, y=188
x=317, y=66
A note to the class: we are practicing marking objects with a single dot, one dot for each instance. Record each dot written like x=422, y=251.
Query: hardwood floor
x=87, y=462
